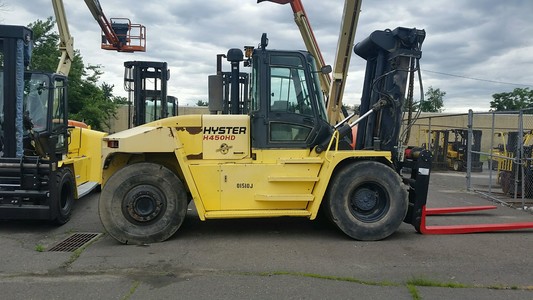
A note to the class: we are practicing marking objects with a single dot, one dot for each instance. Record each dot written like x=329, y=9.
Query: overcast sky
x=472, y=49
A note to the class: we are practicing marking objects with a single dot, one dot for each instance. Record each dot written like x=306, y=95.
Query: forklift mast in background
x=15, y=47
x=228, y=91
x=146, y=84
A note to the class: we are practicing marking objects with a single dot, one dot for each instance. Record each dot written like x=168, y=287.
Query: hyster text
x=225, y=130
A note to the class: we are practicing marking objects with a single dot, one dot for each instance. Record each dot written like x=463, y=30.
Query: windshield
x=36, y=89
x=317, y=90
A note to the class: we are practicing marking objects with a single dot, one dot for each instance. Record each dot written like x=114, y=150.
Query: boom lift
x=118, y=34
x=333, y=88
x=66, y=42
x=282, y=158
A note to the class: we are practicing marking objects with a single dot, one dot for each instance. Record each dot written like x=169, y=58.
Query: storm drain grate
x=74, y=242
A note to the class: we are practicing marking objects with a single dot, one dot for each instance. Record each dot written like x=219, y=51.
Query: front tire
x=63, y=200
x=142, y=203
x=457, y=165
x=367, y=200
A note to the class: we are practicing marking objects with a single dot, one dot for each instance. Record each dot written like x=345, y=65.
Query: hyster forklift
x=518, y=165
x=281, y=158
x=146, y=84
x=45, y=161
x=457, y=150
x=449, y=148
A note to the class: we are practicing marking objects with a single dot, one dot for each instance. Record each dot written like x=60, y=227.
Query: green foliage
x=87, y=101
x=94, y=105
x=45, y=50
x=201, y=103
x=518, y=99
x=434, y=100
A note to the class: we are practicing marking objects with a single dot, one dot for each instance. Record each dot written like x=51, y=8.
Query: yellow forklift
x=45, y=161
x=278, y=156
x=449, y=149
x=515, y=173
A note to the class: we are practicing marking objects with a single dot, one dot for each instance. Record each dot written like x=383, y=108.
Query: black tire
x=457, y=165
x=367, y=200
x=63, y=200
x=142, y=203
x=506, y=182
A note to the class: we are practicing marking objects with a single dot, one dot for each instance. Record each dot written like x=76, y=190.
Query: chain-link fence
x=509, y=157
x=493, y=149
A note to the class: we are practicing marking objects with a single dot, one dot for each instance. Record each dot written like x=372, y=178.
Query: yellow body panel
x=230, y=141
x=84, y=155
x=240, y=181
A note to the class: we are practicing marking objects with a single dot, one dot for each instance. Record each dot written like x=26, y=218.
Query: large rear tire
x=64, y=198
x=506, y=182
x=367, y=200
x=142, y=203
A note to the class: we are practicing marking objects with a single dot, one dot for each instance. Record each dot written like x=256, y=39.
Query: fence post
x=469, y=151
x=491, y=158
x=521, y=156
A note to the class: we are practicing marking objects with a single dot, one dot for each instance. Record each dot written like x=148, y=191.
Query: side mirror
x=264, y=41
x=326, y=69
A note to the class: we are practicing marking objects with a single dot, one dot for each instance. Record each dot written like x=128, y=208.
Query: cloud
x=489, y=40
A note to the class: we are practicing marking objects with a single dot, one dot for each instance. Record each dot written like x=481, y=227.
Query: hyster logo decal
x=225, y=130
x=226, y=133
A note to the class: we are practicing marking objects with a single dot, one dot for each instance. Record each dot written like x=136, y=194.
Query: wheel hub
x=143, y=204
x=369, y=203
x=365, y=199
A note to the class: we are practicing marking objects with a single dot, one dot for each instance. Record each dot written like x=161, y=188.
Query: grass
x=414, y=292
x=433, y=283
x=132, y=290
x=39, y=248
x=327, y=277
x=411, y=284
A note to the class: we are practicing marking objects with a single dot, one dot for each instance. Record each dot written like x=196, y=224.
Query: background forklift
x=515, y=173
x=146, y=84
x=46, y=160
x=45, y=163
x=449, y=149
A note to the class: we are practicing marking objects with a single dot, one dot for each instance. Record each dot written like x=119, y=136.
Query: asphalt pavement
x=281, y=258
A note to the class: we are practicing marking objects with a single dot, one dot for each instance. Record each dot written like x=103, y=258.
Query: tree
x=45, y=51
x=517, y=99
x=201, y=103
x=97, y=105
x=434, y=100
x=87, y=101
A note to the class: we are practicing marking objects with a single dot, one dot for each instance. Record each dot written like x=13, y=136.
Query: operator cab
x=32, y=104
x=44, y=125
x=286, y=103
x=281, y=94
x=44, y=114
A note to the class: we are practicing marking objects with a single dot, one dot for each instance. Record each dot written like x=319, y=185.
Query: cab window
x=289, y=100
